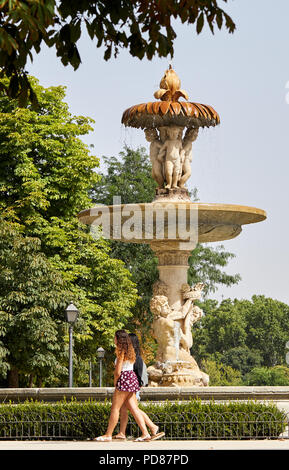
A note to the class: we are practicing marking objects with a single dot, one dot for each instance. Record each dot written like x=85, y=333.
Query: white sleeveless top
x=126, y=365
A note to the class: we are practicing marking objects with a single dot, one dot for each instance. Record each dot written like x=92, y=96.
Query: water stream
x=177, y=336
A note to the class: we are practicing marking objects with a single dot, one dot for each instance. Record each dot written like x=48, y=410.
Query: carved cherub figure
x=163, y=328
x=166, y=317
x=151, y=136
x=164, y=325
x=192, y=314
x=186, y=340
x=170, y=151
x=186, y=155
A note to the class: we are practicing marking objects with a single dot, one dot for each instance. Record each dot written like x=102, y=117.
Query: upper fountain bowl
x=169, y=111
x=165, y=113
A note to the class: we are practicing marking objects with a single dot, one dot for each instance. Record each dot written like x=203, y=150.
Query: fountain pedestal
x=174, y=314
x=180, y=374
x=173, y=267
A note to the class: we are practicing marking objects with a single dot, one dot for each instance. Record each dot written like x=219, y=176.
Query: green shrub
x=231, y=420
x=278, y=375
x=184, y=420
x=220, y=374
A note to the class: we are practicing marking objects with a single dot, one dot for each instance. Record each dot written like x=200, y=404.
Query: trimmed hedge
x=184, y=420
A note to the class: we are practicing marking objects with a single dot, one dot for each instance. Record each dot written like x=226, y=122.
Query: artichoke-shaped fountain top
x=170, y=87
x=168, y=110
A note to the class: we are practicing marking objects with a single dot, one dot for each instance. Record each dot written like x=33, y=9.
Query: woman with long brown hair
x=138, y=368
x=126, y=385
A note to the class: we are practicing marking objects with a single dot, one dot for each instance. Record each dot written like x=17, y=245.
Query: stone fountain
x=172, y=224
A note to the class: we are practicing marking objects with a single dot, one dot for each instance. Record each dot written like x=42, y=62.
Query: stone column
x=173, y=267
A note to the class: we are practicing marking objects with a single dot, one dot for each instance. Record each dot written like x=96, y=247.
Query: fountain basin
x=146, y=223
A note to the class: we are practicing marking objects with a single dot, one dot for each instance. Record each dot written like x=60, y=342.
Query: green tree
x=222, y=328
x=242, y=358
x=32, y=295
x=206, y=265
x=243, y=334
x=268, y=328
x=143, y=27
x=129, y=177
x=221, y=375
x=274, y=376
x=46, y=175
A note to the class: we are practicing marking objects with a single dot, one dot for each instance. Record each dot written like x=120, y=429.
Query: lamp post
x=100, y=355
x=71, y=317
x=90, y=374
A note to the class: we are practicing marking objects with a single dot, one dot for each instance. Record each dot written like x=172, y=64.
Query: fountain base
x=177, y=374
x=172, y=195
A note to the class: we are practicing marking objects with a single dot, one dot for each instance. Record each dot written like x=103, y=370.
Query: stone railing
x=280, y=395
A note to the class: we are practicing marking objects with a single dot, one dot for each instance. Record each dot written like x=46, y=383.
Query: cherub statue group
x=165, y=318
x=171, y=155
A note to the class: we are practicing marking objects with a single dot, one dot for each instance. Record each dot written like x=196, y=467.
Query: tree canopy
x=243, y=334
x=144, y=27
x=32, y=298
x=46, y=175
x=276, y=376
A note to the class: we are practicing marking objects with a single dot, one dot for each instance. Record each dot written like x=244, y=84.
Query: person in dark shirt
x=138, y=369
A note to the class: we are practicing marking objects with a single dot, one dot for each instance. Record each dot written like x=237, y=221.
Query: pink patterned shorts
x=128, y=382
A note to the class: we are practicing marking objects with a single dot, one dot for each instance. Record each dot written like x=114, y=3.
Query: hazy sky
x=245, y=77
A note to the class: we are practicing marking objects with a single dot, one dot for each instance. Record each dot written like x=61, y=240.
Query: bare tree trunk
x=13, y=378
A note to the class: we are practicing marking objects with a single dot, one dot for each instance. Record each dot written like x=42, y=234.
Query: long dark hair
x=138, y=365
x=124, y=347
x=135, y=342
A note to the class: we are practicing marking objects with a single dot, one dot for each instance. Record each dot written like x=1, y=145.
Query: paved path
x=166, y=446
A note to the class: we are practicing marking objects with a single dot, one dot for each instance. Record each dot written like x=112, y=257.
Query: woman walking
x=138, y=369
x=126, y=385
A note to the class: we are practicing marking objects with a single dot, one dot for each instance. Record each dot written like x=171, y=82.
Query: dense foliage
x=32, y=296
x=144, y=27
x=187, y=420
x=221, y=374
x=274, y=376
x=244, y=335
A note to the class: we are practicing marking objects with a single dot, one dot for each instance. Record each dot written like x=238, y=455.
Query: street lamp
x=100, y=355
x=90, y=374
x=71, y=317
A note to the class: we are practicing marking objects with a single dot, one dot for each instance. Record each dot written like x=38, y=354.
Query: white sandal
x=157, y=434
x=102, y=439
x=143, y=439
x=118, y=438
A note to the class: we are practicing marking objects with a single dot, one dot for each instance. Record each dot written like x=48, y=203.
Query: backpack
x=141, y=371
x=144, y=376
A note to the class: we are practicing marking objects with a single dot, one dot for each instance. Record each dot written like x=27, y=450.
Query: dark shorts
x=128, y=382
